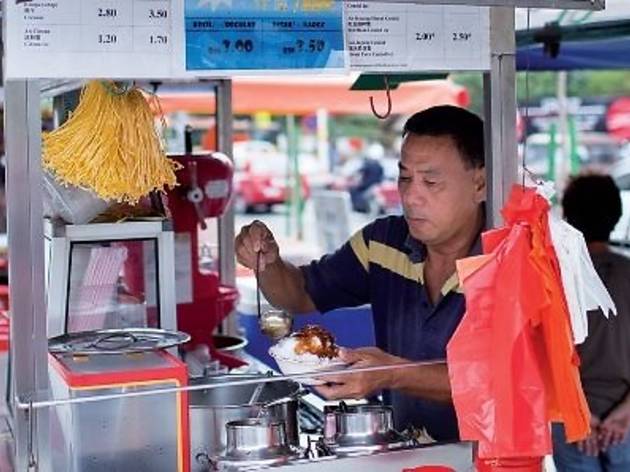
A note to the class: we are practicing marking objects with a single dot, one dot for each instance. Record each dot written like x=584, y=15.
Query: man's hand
x=591, y=445
x=255, y=238
x=361, y=384
x=615, y=427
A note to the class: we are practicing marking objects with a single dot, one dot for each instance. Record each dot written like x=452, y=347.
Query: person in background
x=592, y=204
x=370, y=174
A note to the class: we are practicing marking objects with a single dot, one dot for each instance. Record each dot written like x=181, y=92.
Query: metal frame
x=499, y=85
x=59, y=238
x=227, y=261
x=26, y=267
x=559, y=4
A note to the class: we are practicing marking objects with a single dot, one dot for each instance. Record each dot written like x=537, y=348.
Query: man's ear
x=479, y=181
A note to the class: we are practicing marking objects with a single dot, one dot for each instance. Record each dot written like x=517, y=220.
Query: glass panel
x=113, y=285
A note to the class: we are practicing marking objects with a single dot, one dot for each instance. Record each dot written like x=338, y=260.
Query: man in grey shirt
x=592, y=204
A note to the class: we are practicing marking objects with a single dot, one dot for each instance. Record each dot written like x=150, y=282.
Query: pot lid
x=116, y=341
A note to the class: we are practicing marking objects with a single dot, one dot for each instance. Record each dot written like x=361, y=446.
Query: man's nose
x=413, y=195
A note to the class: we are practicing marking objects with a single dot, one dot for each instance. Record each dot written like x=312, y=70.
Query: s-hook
x=389, y=101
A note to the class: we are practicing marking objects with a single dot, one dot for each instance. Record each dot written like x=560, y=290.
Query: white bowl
x=291, y=367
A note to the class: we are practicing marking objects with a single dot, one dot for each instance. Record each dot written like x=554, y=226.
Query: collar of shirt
x=417, y=251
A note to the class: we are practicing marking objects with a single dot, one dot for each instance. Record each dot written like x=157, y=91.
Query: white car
x=621, y=174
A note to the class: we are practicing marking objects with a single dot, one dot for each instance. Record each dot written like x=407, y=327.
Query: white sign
x=127, y=39
x=97, y=38
x=386, y=37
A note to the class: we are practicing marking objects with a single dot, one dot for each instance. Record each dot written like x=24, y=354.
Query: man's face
x=439, y=192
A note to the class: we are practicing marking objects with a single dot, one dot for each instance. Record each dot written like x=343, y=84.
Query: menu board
x=96, y=38
x=248, y=35
x=195, y=38
x=391, y=37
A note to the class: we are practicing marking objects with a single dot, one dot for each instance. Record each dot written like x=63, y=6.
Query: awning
x=594, y=46
x=305, y=95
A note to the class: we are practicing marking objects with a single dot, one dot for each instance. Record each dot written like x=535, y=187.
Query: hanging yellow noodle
x=110, y=146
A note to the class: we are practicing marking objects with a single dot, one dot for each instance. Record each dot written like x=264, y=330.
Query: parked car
x=261, y=177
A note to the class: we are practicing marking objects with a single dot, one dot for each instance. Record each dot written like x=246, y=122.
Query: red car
x=260, y=180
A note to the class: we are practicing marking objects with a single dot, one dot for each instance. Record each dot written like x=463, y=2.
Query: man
x=403, y=265
x=592, y=204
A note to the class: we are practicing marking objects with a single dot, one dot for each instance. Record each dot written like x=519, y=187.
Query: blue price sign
x=264, y=35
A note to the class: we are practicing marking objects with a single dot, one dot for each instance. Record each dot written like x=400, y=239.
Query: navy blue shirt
x=383, y=265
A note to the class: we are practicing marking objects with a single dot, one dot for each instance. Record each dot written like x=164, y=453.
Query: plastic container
x=70, y=203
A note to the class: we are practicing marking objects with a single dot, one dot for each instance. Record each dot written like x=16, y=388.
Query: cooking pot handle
x=295, y=396
x=204, y=461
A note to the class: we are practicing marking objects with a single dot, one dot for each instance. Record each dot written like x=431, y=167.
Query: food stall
x=91, y=403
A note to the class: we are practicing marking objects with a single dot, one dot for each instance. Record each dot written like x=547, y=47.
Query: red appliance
x=205, y=184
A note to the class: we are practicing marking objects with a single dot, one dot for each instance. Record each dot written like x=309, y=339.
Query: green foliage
x=544, y=84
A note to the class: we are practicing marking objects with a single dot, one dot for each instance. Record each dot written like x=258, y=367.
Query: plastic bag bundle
x=512, y=361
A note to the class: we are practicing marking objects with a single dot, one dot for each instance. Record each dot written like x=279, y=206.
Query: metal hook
x=389, y=101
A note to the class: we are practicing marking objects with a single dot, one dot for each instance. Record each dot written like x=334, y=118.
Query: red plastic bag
x=519, y=464
x=495, y=356
x=513, y=351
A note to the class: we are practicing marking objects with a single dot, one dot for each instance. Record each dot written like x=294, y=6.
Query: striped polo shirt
x=382, y=264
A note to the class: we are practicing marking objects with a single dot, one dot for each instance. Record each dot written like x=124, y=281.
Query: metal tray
x=116, y=341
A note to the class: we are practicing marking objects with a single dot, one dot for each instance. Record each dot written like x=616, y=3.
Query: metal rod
x=22, y=404
x=548, y=4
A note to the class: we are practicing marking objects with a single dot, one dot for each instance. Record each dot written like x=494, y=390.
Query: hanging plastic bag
x=495, y=356
x=566, y=400
x=583, y=288
x=513, y=354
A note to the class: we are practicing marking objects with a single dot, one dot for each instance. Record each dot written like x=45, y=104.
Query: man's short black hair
x=462, y=126
x=592, y=204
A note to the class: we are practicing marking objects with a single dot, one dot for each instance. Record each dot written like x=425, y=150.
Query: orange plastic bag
x=513, y=351
x=566, y=400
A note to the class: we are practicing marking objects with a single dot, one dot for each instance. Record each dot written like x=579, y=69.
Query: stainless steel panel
x=457, y=456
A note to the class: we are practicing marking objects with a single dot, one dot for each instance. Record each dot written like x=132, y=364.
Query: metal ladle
x=276, y=324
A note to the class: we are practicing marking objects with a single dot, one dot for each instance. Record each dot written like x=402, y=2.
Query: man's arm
x=284, y=287
x=281, y=282
x=430, y=381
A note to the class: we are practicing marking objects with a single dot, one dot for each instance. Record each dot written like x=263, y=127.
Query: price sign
x=90, y=38
x=246, y=35
x=391, y=37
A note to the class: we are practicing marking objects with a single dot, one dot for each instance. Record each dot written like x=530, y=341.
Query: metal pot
x=358, y=427
x=256, y=439
x=211, y=409
x=233, y=345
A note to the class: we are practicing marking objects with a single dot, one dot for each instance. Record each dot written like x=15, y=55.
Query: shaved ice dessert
x=310, y=349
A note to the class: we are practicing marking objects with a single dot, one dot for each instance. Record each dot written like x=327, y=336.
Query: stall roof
x=588, y=40
x=305, y=95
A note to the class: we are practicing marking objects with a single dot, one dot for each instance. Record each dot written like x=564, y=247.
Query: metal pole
x=26, y=264
x=562, y=171
x=500, y=112
x=227, y=262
